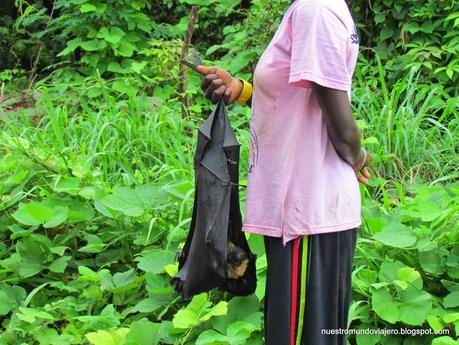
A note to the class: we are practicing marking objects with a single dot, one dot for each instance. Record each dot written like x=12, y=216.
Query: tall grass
x=129, y=138
x=416, y=124
x=133, y=139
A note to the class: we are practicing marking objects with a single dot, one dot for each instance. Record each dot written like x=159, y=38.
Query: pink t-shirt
x=297, y=183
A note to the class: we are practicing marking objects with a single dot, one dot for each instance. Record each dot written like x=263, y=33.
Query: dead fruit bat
x=237, y=261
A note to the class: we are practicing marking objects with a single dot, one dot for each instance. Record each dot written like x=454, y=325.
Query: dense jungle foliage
x=96, y=178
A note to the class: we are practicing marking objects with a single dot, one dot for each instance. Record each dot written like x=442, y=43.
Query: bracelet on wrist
x=246, y=92
x=362, y=164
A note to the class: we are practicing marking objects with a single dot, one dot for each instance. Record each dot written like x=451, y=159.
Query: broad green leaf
x=157, y=284
x=384, y=305
x=435, y=323
x=71, y=46
x=221, y=308
x=154, y=261
x=113, y=337
x=33, y=252
x=185, y=319
x=371, y=141
x=364, y=278
x=126, y=49
x=90, y=45
x=240, y=331
x=388, y=271
x=171, y=269
x=122, y=87
x=116, y=34
x=59, y=250
x=138, y=66
x=261, y=287
x=49, y=336
x=87, y=274
x=426, y=244
x=411, y=27
x=445, y=341
x=148, y=305
x=15, y=295
x=88, y=8
x=59, y=216
x=452, y=317
x=94, y=244
x=5, y=303
x=125, y=281
x=396, y=235
x=144, y=332
x=30, y=315
x=375, y=224
x=80, y=211
x=116, y=67
x=152, y=196
x=189, y=316
x=452, y=300
x=32, y=213
x=113, y=36
x=386, y=33
x=124, y=278
x=107, y=319
x=65, y=184
x=211, y=337
x=401, y=283
x=408, y=274
x=431, y=262
x=59, y=265
x=415, y=306
x=245, y=309
x=125, y=200
x=426, y=211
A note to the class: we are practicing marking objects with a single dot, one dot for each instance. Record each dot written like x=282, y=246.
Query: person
x=305, y=163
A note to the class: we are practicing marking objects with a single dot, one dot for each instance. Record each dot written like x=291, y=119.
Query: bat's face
x=236, y=261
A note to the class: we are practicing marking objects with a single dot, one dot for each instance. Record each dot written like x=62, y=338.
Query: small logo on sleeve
x=355, y=37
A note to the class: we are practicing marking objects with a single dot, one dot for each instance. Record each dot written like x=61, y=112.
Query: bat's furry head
x=236, y=261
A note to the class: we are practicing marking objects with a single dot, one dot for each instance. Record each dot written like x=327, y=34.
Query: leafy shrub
x=103, y=35
x=405, y=34
x=23, y=34
x=406, y=266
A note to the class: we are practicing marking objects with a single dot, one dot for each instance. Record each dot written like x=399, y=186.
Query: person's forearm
x=341, y=125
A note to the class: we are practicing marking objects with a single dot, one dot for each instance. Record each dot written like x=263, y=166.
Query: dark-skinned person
x=305, y=165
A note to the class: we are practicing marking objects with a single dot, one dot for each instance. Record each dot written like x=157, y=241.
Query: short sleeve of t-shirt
x=319, y=48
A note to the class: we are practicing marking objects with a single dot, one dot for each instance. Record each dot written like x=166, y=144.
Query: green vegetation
x=96, y=179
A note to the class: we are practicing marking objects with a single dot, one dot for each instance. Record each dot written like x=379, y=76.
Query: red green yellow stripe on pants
x=308, y=288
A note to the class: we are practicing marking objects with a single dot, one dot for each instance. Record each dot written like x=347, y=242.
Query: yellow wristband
x=246, y=93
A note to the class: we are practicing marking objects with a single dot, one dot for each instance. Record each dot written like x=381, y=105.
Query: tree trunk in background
x=8, y=8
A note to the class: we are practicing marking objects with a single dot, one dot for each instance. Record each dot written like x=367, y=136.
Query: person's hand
x=218, y=83
x=361, y=170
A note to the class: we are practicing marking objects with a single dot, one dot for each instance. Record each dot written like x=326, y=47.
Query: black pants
x=308, y=288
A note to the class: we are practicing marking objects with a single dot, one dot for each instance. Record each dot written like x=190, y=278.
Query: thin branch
x=182, y=69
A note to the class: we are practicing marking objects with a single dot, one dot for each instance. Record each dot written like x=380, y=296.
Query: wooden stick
x=182, y=68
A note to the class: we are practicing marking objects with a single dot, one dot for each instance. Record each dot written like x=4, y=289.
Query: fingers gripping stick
x=194, y=61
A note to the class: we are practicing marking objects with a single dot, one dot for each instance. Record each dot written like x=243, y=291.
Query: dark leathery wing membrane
x=216, y=252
